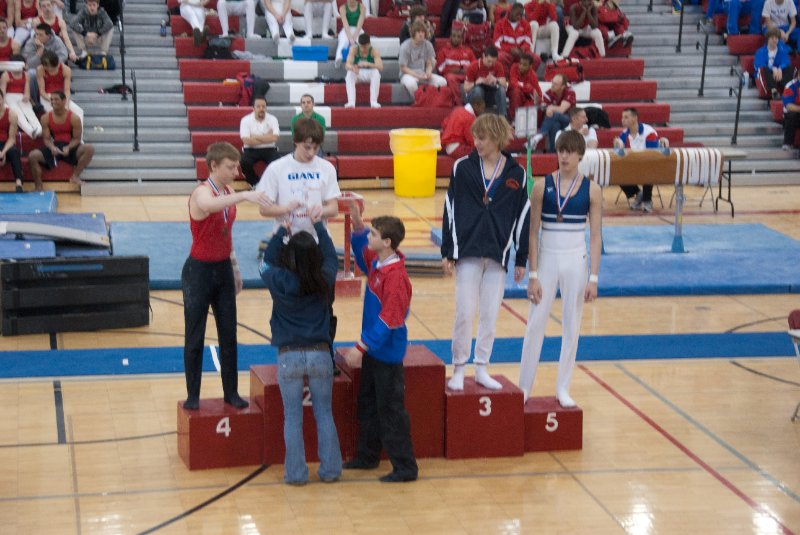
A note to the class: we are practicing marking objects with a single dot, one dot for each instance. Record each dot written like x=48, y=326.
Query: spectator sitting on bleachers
x=734, y=9
x=614, y=24
x=43, y=40
x=773, y=65
x=579, y=122
x=791, y=110
x=418, y=13
x=51, y=77
x=498, y=10
x=8, y=47
x=583, y=23
x=472, y=10
x=194, y=12
x=637, y=136
x=457, y=137
x=279, y=14
x=487, y=78
x=320, y=8
x=543, y=19
x=260, y=132
x=416, y=60
x=62, y=132
x=782, y=14
x=60, y=29
x=559, y=99
x=453, y=60
x=523, y=86
x=9, y=154
x=16, y=87
x=92, y=29
x=238, y=8
x=352, y=13
x=25, y=13
x=307, y=112
x=512, y=37
x=364, y=64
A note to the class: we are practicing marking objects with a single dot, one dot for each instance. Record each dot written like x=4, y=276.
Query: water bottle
x=163, y=28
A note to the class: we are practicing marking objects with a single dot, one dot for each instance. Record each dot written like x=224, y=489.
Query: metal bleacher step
x=161, y=160
x=100, y=134
x=756, y=128
x=145, y=109
x=125, y=148
x=118, y=188
x=91, y=85
x=149, y=123
x=154, y=174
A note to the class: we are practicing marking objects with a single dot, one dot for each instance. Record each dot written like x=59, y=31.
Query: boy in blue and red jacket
x=381, y=348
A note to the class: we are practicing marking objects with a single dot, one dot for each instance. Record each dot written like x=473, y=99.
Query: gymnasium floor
x=670, y=446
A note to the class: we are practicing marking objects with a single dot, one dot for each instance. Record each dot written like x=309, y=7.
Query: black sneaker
x=236, y=401
x=358, y=464
x=19, y=189
x=397, y=477
x=191, y=404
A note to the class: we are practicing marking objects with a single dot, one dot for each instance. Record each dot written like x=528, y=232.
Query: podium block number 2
x=486, y=406
x=551, y=424
x=224, y=427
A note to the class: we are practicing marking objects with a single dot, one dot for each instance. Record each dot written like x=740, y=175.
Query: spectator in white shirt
x=579, y=122
x=782, y=14
x=259, y=132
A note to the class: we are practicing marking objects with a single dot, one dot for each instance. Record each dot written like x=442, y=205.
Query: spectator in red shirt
x=512, y=37
x=487, y=78
x=456, y=134
x=558, y=99
x=584, y=23
x=543, y=18
x=453, y=60
x=523, y=85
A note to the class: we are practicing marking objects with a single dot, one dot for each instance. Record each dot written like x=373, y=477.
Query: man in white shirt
x=259, y=132
x=782, y=14
x=238, y=8
x=580, y=123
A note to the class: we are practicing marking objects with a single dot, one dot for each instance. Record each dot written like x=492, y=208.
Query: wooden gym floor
x=670, y=446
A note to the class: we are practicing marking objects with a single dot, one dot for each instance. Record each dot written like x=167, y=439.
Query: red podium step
x=424, y=398
x=219, y=436
x=483, y=422
x=550, y=427
x=266, y=394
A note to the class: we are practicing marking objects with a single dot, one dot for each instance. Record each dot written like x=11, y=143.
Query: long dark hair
x=303, y=257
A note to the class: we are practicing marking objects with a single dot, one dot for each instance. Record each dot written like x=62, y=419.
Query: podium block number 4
x=224, y=427
x=486, y=406
x=551, y=424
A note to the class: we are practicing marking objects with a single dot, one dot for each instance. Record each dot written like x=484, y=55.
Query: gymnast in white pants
x=561, y=205
x=279, y=14
x=364, y=64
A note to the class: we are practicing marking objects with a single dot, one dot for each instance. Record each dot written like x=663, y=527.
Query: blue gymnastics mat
x=34, y=246
x=720, y=259
x=42, y=202
x=167, y=245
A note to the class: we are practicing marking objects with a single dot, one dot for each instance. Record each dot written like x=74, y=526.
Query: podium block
x=483, y=422
x=265, y=392
x=219, y=436
x=424, y=377
x=551, y=427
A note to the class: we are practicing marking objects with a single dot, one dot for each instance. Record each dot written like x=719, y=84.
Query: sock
x=565, y=400
x=236, y=401
x=456, y=382
x=191, y=404
x=483, y=378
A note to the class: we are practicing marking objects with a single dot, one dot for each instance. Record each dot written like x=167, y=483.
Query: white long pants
x=194, y=15
x=272, y=22
x=345, y=43
x=567, y=270
x=548, y=30
x=312, y=8
x=373, y=76
x=412, y=84
x=586, y=31
x=26, y=118
x=239, y=8
x=480, y=283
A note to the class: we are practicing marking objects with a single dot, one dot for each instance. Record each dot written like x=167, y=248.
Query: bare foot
x=76, y=180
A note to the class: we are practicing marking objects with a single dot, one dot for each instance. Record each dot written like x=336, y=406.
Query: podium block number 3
x=224, y=427
x=486, y=406
x=551, y=424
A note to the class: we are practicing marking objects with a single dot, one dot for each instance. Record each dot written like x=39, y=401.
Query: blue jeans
x=550, y=127
x=491, y=95
x=293, y=367
x=737, y=8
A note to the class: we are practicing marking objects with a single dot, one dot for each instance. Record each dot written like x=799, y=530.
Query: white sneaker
x=456, y=382
x=292, y=38
x=254, y=36
x=556, y=57
x=647, y=207
x=637, y=203
x=535, y=141
x=337, y=63
x=348, y=106
x=374, y=105
x=565, y=400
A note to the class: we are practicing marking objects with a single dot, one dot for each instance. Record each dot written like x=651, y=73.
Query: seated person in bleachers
x=51, y=77
x=773, y=65
x=498, y=10
x=62, y=132
x=418, y=13
x=16, y=87
x=472, y=10
x=323, y=9
x=364, y=64
x=226, y=8
x=791, y=111
x=25, y=13
x=614, y=24
x=512, y=37
x=487, y=78
x=8, y=47
x=352, y=13
x=194, y=12
x=92, y=29
x=307, y=112
x=416, y=60
x=7, y=13
x=9, y=154
x=637, y=136
x=782, y=14
x=279, y=15
x=580, y=123
x=523, y=86
x=583, y=23
x=43, y=40
x=48, y=15
x=457, y=137
x=559, y=99
x=543, y=18
x=260, y=132
x=453, y=60
x=734, y=9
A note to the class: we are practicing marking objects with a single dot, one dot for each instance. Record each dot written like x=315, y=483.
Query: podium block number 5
x=224, y=427
x=486, y=405
x=551, y=424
